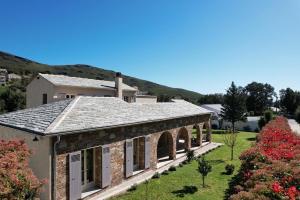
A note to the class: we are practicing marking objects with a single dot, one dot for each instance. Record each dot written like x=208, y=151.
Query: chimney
x=119, y=83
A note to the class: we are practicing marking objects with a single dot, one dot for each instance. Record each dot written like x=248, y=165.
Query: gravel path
x=294, y=126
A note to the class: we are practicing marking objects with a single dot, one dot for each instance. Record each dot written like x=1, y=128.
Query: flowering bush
x=17, y=180
x=271, y=169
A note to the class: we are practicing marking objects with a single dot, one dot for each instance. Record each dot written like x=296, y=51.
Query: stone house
x=87, y=145
x=47, y=88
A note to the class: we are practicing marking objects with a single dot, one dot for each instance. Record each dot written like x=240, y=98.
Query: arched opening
x=165, y=147
x=206, y=133
x=196, y=139
x=182, y=141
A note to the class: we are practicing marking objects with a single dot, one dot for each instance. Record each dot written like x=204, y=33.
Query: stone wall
x=115, y=138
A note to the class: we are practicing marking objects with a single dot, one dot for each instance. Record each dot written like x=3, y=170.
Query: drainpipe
x=54, y=166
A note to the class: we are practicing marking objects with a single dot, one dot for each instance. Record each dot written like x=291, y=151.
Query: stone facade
x=116, y=138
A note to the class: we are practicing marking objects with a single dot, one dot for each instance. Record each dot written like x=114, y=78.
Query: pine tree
x=234, y=107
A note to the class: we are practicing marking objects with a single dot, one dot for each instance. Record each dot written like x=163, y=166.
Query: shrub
x=180, y=165
x=166, y=172
x=133, y=188
x=229, y=168
x=185, y=162
x=190, y=155
x=172, y=169
x=17, y=179
x=270, y=169
x=261, y=122
x=268, y=115
x=156, y=175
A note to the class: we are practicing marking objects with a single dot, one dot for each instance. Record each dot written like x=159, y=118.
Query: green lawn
x=171, y=186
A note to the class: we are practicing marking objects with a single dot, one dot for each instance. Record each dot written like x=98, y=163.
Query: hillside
x=23, y=66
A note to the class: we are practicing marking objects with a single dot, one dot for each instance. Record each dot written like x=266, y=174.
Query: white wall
x=35, y=90
x=40, y=161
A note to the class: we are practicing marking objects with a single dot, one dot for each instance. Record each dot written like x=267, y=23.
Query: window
x=72, y=96
x=44, y=98
x=107, y=95
x=87, y=168
x=126, y=98
x=67, y=96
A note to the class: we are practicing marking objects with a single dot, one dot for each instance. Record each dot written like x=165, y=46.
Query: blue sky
x=196, y=45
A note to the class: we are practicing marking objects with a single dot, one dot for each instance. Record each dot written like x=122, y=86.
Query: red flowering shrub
x=17, y=180
x=271, y=169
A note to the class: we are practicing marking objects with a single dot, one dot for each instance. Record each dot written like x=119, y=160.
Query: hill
x=22, y=66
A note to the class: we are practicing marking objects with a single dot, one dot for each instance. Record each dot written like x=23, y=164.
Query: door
x=147, y=152
x=75, y=175
x=129, y=158
x=106, y=170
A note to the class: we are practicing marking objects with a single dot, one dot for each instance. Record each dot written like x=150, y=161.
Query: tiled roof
x=34, y=119
x=82, y=82
x=217, y=108
x=86, y=113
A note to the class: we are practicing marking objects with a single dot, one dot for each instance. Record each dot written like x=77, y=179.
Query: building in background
x=250, y=124
x=3, y=76
x=47, y=88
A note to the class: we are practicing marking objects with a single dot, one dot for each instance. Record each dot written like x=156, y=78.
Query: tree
x=204, y=168
x=13, y=99
x=211, y=99
x=17, y=180
x=297, y=114
x=289, y=101
x=230, y=139
x=234, y=107
x=259, y=97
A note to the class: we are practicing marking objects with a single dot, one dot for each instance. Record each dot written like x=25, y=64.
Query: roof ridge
x=62, y=115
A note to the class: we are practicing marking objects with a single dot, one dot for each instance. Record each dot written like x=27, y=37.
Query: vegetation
x=211, y=99
x=268, y=116
x=297, y=114
x=270, y=169
x=181, y=184
x=234, y=107
x=230, y=140
x=229, y=169
x=204, y=168
x=25, y=67
x=190, y=155
x=259, y=97
x=17, y=179
x=289, y=101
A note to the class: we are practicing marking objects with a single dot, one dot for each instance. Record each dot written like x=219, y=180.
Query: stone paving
x=125, y=185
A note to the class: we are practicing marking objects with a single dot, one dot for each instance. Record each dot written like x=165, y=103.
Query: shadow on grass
x=236, y=180
x=214, y=162
x=186, y=190
x=253, y=139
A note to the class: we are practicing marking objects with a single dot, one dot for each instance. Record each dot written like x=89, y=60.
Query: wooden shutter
x=147, y=152
x=106, y=169
x=129, y=158
x=75, y=175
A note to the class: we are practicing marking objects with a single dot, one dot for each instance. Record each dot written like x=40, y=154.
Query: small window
x=126, y=98
x=44, y=98
x=72, y=96
x=107, y=95
x=68, y=96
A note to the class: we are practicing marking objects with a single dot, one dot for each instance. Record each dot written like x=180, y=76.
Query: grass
x=181, y=183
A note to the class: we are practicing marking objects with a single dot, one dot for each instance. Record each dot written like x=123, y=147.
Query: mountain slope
x=23, y=66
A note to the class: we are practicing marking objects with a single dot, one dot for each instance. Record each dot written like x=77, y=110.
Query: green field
x=171, y=186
